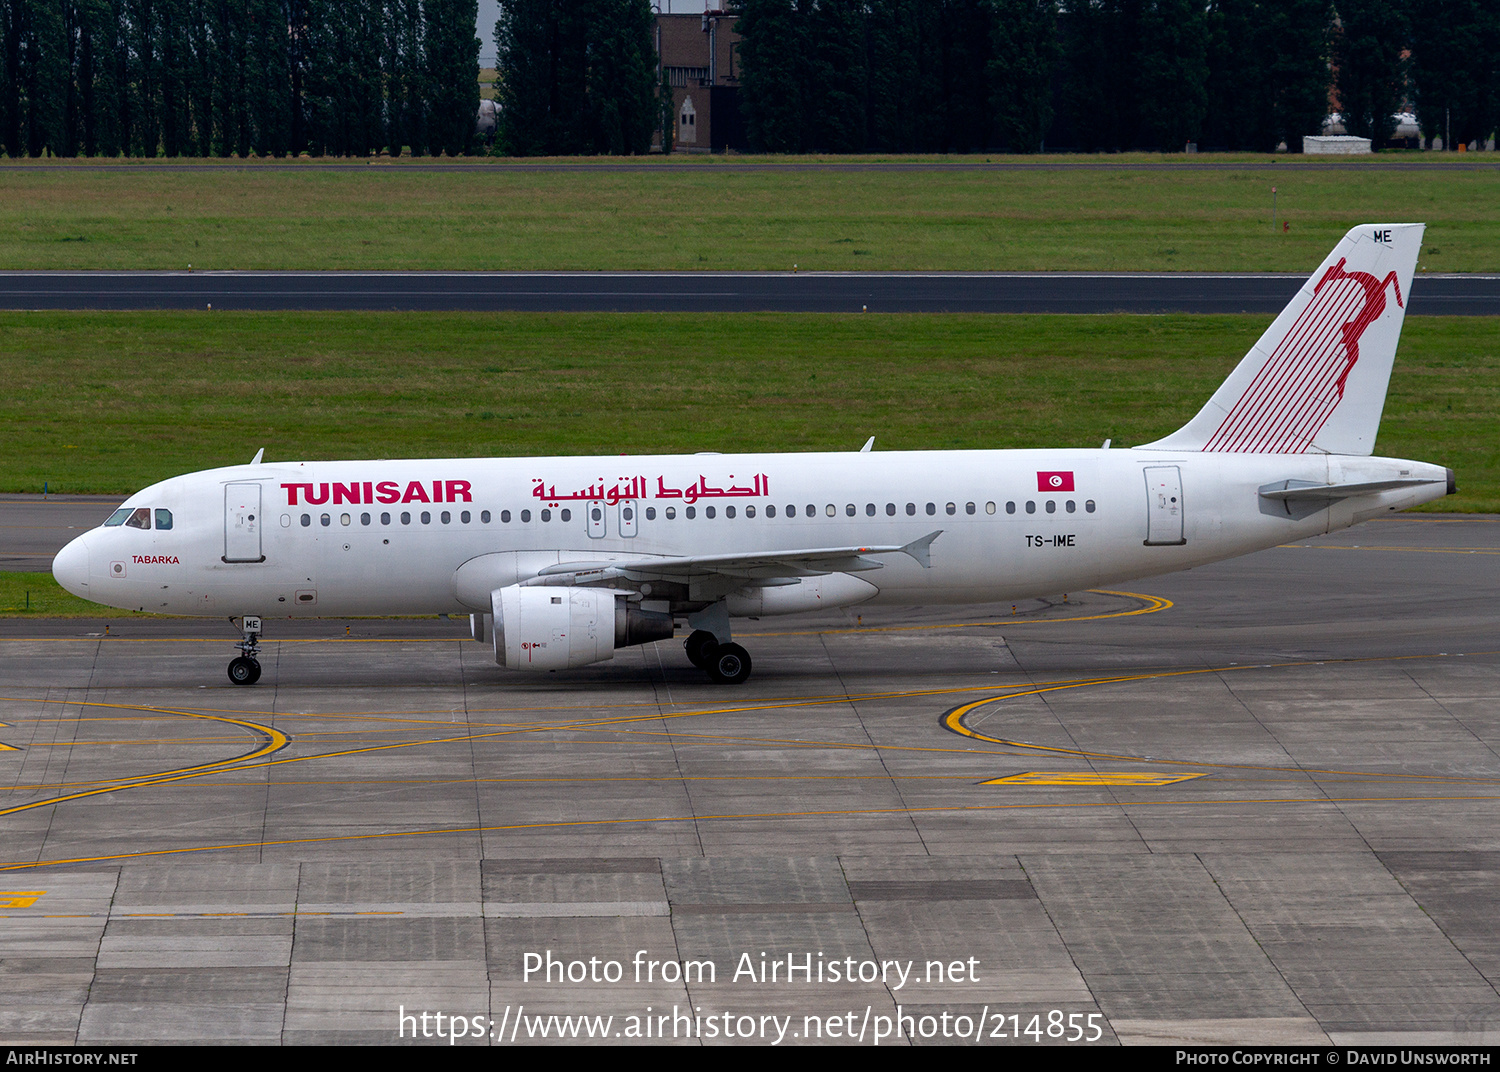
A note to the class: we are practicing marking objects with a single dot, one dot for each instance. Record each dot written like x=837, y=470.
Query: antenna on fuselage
x=261, y=453
x=869, y=443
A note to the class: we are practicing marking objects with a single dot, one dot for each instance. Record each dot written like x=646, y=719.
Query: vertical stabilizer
x=1316, y=380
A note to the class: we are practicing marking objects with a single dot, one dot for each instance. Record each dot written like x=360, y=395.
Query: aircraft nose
x=71, y=568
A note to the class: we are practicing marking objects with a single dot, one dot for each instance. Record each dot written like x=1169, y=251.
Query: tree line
x=237, y=77
x=844, y=76
x=577, y=77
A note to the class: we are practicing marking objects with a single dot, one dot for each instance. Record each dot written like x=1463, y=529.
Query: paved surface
x=818, y=292
x=33, y=528
x=1264, y=813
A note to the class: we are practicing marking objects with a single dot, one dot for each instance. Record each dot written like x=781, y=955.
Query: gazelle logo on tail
x=1316, y=380
x=1296, y=391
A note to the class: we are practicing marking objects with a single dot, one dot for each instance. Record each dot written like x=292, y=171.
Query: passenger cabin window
x=163, y=519
x=709, y=511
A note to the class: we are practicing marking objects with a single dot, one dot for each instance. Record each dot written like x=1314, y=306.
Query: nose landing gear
x=245, y=669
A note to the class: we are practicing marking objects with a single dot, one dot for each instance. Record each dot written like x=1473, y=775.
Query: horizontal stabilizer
x=1307, y=491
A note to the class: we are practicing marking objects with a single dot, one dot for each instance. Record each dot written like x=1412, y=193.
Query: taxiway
x=1251, y=803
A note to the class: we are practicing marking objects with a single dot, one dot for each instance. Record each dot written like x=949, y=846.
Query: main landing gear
x=727, y=664
x=245, y=669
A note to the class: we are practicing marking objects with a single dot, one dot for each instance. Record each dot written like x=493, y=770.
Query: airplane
x=559, y=562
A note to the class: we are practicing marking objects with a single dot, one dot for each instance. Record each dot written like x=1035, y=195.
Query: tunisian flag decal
x=1054, y=482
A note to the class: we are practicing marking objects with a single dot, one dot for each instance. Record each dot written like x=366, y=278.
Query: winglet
x=921, y=550
x=261, y=453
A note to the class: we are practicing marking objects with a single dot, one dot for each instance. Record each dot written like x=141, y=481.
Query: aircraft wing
x=757, y=566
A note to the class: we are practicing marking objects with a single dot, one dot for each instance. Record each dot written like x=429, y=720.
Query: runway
x=811, y=292
x=1251, y=803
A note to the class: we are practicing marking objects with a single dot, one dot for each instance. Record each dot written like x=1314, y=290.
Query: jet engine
x=551, y=628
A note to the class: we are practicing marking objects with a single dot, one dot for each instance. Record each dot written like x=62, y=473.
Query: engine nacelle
x=553, y=628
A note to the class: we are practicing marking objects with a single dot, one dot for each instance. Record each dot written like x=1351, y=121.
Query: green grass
x=37, y=595
x=110, y=402
x=702, y=215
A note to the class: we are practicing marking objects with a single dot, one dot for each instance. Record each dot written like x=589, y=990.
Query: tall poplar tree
x=901, y=40
x=575, y=76
x=453, y=68
x=1172, y=74
x=1268, y=72
x=1023, y=56
x=621, y=79
x=773, y=59
x=1369, y=46
x=1455, y=68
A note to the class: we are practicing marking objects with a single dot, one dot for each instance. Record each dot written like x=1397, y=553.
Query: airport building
x=699, y=54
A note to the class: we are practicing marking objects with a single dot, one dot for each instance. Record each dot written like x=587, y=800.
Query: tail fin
x=1316, y=380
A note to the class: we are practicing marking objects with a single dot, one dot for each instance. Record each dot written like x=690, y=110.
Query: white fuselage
x=391, y=537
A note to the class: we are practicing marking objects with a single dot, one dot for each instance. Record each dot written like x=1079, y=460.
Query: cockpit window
x=139, y=518
x=118, y=517
x=163, y=519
